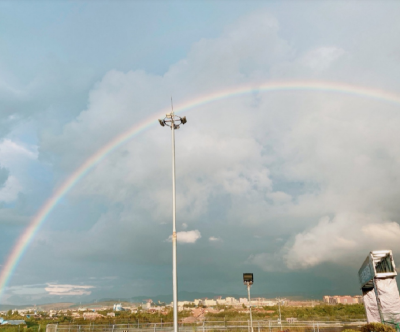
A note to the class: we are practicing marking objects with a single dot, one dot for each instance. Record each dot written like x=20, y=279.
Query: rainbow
x=25, y=239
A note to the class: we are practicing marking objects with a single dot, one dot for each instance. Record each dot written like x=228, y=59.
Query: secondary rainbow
x=24, y=240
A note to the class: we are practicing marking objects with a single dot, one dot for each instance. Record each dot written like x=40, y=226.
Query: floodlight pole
x=251, y=317
x=174, y=270
x=173, y=121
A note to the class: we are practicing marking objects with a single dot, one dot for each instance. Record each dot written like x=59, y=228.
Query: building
x=221, y=301
x=243, y=300
x=346, y=299
x=198, y=301
x=118, y=307
x=262, y=302
x=231, y=301
x=359, y=299
x=210, y=302
x=149, y=304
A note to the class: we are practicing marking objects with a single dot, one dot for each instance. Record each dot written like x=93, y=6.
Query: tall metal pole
x=251, y=317
x=173, y=121
x=174, y=271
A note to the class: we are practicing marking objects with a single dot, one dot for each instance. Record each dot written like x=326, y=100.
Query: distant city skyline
x=148, y=304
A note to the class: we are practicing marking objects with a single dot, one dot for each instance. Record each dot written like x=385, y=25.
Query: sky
x=296, y=186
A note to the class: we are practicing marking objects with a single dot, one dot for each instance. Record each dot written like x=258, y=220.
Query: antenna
x=172, y=105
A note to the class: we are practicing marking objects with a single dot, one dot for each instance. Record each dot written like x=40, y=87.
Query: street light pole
x=280, y=317
x=248, y=281
x=251, y=317
x=279, y=307
x=173, y=121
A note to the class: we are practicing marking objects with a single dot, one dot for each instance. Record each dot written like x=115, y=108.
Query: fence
x=207, y=326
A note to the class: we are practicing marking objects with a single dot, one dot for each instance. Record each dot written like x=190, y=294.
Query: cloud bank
x=316, y=169
x=68, y=290
x=294, y=182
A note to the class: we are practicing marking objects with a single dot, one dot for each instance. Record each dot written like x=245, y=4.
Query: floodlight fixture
x=248, y=278
x=173, y=121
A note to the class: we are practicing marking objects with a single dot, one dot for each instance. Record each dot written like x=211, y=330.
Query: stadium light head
x=162, y=123
x=248, y=278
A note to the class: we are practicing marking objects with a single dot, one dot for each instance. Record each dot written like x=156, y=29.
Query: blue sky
x=295, y=186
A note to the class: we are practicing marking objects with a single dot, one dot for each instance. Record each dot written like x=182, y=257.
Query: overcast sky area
x=294, y=186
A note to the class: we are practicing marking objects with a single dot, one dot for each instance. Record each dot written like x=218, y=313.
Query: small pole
x=251, y=318
x=280, y=317
x=203, y=325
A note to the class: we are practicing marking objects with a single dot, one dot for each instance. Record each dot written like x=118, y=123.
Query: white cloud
x=17, y=159
x=27, y=289
x=279, y=197
x=339, y=239
x=12, y=152
x=184, y=225
x=388, y=232
x=187, y=236
x=11, y=189
x=214, y=239
x=69, y=290
x=322, y=58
